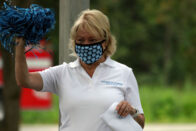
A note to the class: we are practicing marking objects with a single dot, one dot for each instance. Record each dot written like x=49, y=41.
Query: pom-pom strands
x=30, y=23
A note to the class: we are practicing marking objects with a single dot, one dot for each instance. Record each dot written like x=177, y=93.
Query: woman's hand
x=124, y=108
x=20, y=41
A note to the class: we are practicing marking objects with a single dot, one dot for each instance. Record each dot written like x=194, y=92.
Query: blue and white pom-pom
x=30, y=23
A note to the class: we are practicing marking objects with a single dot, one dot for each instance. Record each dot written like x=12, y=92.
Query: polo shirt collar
x=75, y=63
x=108, y=62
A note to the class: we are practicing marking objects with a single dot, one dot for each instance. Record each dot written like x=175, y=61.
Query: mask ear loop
x=103, y=50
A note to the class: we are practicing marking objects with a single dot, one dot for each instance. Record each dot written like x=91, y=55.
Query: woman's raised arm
x=23, y=77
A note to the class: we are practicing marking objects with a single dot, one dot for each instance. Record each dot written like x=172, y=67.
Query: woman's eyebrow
x=79, y=37
x=92, y=37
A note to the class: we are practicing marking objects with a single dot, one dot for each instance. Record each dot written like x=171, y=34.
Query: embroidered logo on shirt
x=112, y=83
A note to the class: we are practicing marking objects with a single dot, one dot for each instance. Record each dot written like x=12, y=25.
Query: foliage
x=162, y=104
x=155, y=38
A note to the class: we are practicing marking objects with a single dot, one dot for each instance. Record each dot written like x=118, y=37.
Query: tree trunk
x=167, y=53
x=11, y=95
x=11, y=92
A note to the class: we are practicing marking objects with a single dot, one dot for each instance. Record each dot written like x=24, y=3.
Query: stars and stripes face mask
x=89, y=53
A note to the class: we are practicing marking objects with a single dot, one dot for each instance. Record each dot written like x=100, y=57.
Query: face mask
x=90, y=53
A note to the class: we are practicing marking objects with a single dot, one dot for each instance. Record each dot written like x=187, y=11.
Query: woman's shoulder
x=119, y=65
x=59, y=67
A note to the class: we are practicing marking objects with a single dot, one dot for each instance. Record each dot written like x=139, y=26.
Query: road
x=148, y=127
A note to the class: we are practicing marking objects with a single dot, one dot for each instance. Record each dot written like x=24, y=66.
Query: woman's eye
x=79, y=40
x=93, y=40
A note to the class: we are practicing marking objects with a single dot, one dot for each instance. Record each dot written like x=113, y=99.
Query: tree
x=11, y=95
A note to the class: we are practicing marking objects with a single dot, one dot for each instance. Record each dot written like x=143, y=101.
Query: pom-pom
x=30, y=23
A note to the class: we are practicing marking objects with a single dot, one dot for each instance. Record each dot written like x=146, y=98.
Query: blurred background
x=157, y=39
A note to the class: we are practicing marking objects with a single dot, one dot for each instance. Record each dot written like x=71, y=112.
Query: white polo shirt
x=83, y=99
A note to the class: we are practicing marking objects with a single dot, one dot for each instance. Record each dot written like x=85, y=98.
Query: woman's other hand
x=124, y=108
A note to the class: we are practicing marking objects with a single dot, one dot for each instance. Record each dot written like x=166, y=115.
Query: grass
x=168, y=105
x=160, y=104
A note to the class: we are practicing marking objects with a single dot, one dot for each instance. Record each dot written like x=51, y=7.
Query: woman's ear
x=104, y=45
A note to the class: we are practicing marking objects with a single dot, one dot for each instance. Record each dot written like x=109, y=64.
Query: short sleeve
x=132, y=92
x=51, y=77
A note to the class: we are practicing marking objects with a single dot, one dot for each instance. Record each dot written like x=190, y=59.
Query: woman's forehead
x=86, y=33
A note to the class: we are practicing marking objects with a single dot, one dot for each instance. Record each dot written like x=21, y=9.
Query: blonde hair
x=97, y=23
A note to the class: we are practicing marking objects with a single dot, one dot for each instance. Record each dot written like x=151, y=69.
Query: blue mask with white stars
x=90, y=53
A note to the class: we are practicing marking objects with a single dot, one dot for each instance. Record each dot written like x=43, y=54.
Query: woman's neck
x=90, y=69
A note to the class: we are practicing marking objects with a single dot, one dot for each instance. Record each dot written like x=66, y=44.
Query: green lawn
x=168, y=104
x=160, y=105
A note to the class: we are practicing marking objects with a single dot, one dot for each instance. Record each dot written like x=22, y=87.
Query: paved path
x=170, y=127
x=39, y=128
x=148, y=127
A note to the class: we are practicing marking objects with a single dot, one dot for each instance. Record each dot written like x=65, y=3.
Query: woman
x=88, y=86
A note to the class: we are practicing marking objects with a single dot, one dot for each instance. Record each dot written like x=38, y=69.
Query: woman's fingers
x=123, y=108
x=20, y=40
x=126, y=111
